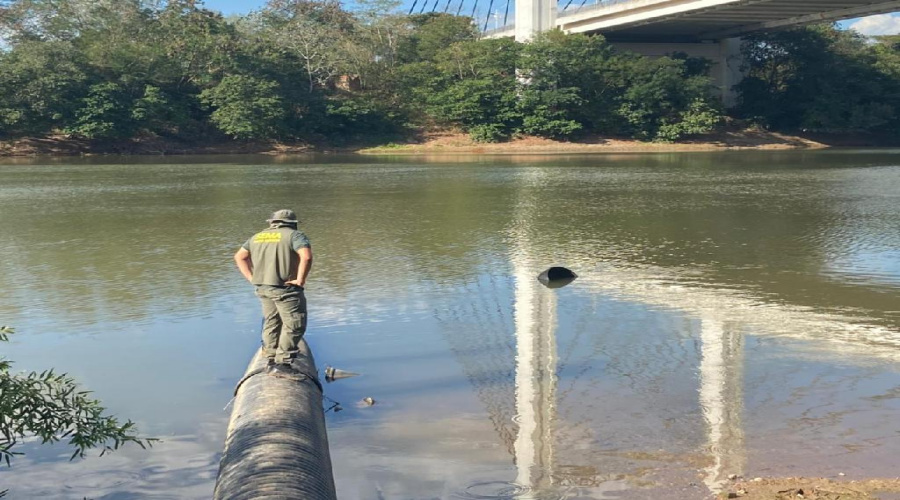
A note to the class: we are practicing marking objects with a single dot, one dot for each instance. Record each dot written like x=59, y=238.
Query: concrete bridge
x=700, y=28
x=683, y=20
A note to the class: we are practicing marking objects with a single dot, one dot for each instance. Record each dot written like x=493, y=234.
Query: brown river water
x=735, y=313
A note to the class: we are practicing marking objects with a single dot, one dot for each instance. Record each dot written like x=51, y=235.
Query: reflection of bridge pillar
x=536, y=358
x=721, y=397
x=533, y=17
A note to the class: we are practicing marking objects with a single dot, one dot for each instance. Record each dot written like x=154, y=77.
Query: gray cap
x=283, y=215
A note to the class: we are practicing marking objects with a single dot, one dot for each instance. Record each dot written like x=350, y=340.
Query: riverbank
x=794, y=488
x=60, y=145
x=746, y=139
x=436, y=142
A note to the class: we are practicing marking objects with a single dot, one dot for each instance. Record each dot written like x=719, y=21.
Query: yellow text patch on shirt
x=267, y=238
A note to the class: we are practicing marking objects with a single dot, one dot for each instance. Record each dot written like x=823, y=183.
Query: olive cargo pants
x=284, y=321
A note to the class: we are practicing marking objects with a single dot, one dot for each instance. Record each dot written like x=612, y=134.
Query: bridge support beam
x=533, y=17
x=730, y=70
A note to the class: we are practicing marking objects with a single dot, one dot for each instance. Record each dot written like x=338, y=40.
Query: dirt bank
x=799, y=488
x=60, y=145
x=438, y=142
x=454, y=142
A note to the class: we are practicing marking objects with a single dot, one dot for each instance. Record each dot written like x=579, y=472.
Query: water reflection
x=536, y=379
x=721, y=398
x=182, y=468
x=151, y=237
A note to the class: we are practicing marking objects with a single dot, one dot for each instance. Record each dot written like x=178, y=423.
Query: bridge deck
x=695, y=20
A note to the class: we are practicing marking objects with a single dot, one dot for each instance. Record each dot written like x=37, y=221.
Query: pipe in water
x=276, y=446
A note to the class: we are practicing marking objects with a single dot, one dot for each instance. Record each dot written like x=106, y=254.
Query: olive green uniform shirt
x=273, y=254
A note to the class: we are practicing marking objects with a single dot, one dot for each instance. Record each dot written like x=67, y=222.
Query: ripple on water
x=509, y=490
x=494, y=490
x=103, y=479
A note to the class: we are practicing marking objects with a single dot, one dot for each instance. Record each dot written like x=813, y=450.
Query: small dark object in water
x=557, y=277
x=332, y=374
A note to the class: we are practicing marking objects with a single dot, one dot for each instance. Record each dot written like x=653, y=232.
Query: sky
x=885, y=24
x=233, y=6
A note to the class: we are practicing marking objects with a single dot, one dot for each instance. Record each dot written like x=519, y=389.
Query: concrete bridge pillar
x=533, y=17
x=729, y=67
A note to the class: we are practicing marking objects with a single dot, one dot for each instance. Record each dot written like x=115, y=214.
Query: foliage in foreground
x=50, y=407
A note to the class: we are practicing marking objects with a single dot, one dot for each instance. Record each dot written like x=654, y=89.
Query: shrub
x=104, y=113
x=488, y=132
x=246, y=107
x=663, y=101
x=699, y=118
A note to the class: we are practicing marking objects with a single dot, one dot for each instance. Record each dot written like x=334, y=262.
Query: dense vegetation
x=309, y=70
x=822, y=79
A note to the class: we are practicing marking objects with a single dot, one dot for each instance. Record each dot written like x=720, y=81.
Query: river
x=735, y=313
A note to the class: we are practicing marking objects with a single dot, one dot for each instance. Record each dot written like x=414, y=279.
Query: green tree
x=104, y=113
x=547, y=112
x=48, y=20
x=663, y=101
x=475, y=87
x=887, y=56
x=698, y=118
x=246, y=107
x=328, y=12
x=578, y=83
x=431, y=33
x=153, y=111
x=311, y=32
x=316, y=45
x=819, y=78
x=199, y=45
x=570, y=83
x=373, y=53
x=40, y=84
x=51, y=407
x=350, y=117
x=309, y=69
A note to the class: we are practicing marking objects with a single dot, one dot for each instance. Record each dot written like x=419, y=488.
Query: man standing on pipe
x=277, y=261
